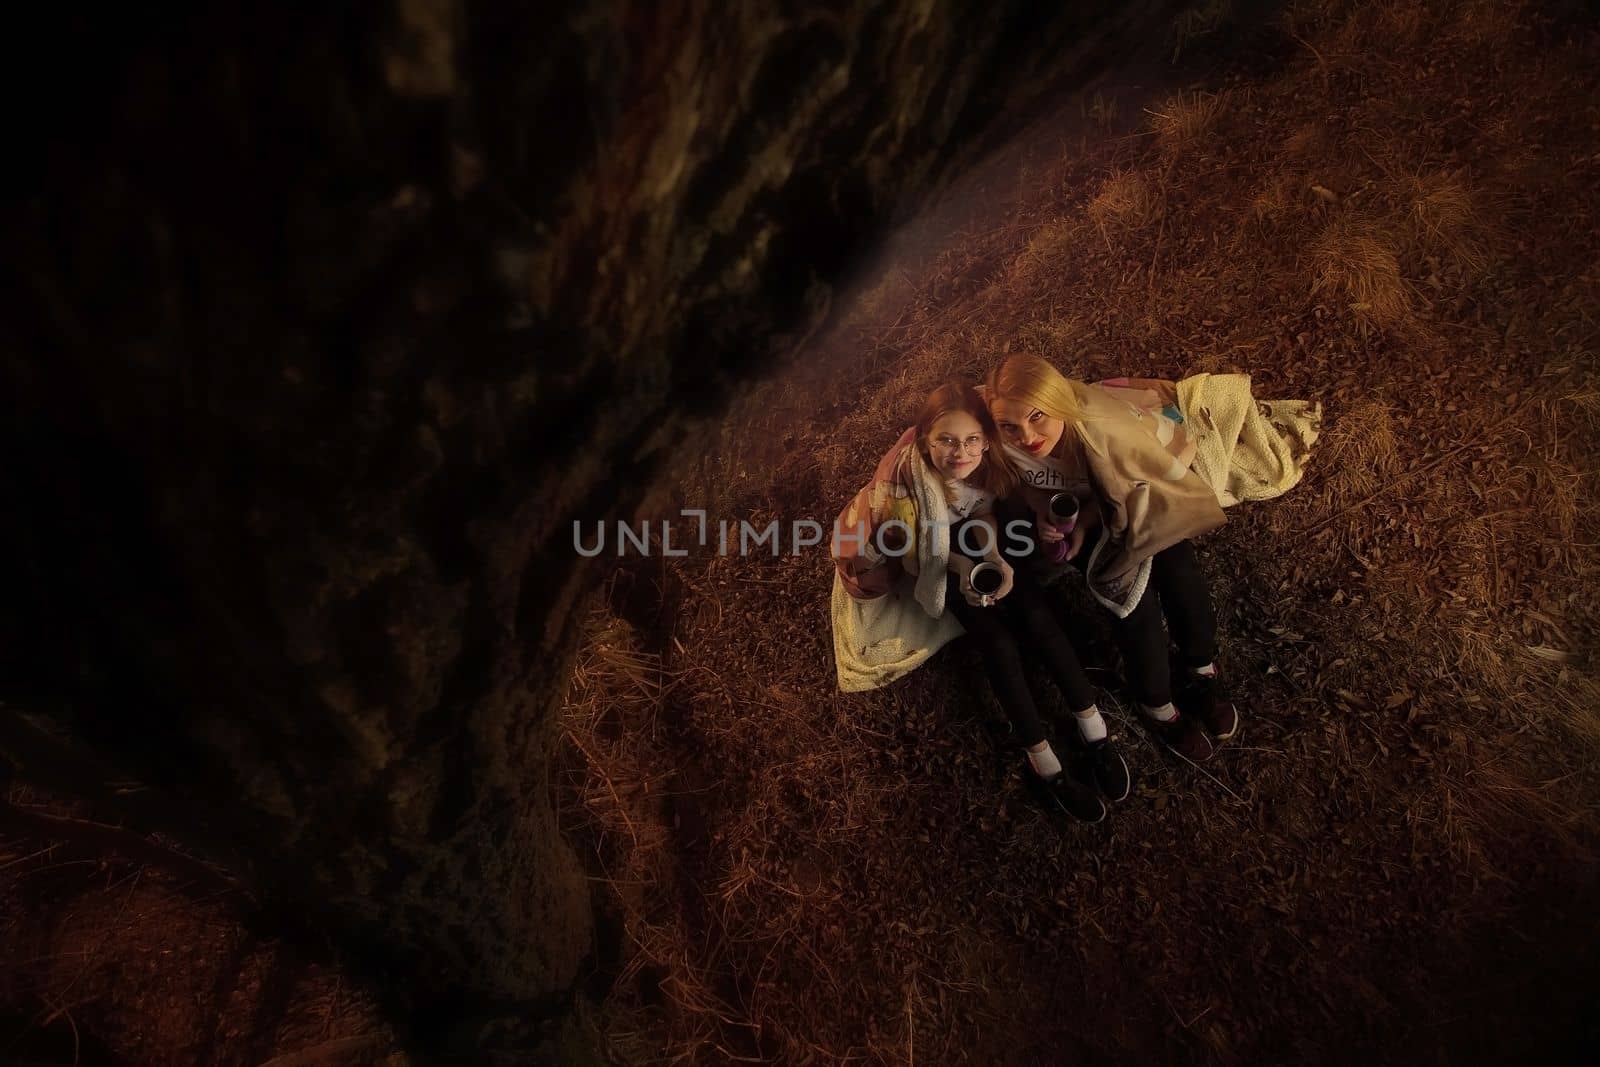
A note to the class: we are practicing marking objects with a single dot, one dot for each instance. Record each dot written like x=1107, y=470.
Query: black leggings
x=1021, y=622
x=1178, y=590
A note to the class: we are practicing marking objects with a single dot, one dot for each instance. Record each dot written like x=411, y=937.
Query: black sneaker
x=1002, y=735
x=1065, y=794
x=1201, y=695
x=1109, y=769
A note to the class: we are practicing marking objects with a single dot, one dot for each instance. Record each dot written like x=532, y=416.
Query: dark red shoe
x=1201, y=696
x=1182, y=735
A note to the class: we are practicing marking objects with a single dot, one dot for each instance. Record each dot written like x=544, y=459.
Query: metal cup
x=1064, y=511
x=1063, y=516
x=986, y=580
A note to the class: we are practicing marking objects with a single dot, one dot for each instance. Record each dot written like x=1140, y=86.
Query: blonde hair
x=995, y=473
x=1036, y=382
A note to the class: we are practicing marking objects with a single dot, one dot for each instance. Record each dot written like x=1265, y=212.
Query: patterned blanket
x=891, y=551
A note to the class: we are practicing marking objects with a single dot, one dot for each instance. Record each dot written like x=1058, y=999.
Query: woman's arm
x=1038, y=501
x=1148, y=500
x=1089, y=521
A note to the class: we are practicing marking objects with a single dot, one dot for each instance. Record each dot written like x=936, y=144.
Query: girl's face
x=1026, y=426
x=956, y=444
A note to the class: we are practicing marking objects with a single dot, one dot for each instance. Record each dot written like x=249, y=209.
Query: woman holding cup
x=1128, y=467
x=1060, y=516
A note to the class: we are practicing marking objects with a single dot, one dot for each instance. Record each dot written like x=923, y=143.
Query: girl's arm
x=992, y=555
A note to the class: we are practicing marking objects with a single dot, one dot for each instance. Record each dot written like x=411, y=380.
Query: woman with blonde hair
x=1126, y=455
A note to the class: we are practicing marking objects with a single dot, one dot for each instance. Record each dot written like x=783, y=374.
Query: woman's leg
x=1186, y=602
x=1143, y=641
x=1142, y=638
x=1177, y=591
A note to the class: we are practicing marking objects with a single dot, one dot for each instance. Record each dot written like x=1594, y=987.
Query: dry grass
x=1197, y=21
x=1486, y=22
x=1048, y=251
x=1184, y=120
x=1384, y=28
x=1125, y=201
x=1102, y=110
x=891, y=293
x=1446, y=221
x=1402, y=22
x=1308, y=18
x=1359, y=450
x=1356, y=268
x=1412, y=628
x=1307, y=142
x=139, y=960
x=1278, y=197
x=1059, y=339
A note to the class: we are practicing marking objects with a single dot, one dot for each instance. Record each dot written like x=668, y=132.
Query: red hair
x=994, y=473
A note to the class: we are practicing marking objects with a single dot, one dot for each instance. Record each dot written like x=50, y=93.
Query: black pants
x=1177, y=590
x=1021, y=625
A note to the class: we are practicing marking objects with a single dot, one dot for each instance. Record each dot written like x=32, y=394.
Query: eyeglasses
x=972, y=446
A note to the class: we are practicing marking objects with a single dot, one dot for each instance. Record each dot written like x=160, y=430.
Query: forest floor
x=116, y=948
x=1396, y=860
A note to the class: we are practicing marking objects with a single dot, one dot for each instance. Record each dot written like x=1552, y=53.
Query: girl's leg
x=1038, y=629
x=1059, y=789
x=1186, y=602
x=1002, y=659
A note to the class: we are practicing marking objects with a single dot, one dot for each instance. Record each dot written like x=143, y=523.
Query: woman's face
x=1026, y=426
x=956, y=444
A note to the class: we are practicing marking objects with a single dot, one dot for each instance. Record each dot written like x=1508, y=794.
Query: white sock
x=1044, y=761
x=1209, y=670
x=1165, y=713
x=1091, y=725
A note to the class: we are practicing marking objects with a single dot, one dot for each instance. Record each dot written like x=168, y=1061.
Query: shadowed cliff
x=323, y=327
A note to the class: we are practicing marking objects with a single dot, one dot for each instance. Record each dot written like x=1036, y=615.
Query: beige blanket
x=1142, y=455
x=876, y=641
x=1164, y=458
x=1246, y=449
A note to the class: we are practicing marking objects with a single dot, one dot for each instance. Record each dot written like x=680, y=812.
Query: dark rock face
x=324, y=326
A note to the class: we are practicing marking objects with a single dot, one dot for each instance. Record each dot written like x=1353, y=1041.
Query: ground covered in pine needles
x=117, y=948
x=1395, y=860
